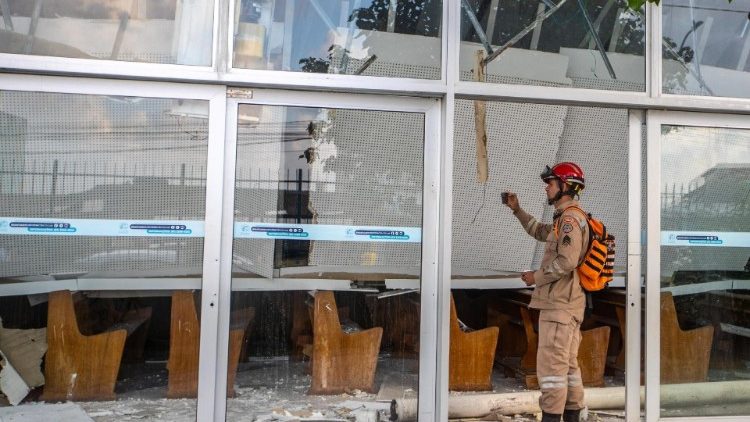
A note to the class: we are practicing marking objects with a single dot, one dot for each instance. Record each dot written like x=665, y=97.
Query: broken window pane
x=391, y=38
x=326, y=262
x=596, y=44
x=705, y=47
x=102, y=202
x=153, y=31
x=705, y=269
x=491, y=248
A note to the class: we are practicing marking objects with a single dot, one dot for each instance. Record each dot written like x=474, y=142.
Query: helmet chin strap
x=560, y=193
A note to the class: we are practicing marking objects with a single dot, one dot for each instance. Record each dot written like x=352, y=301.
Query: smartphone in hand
x=504, y=197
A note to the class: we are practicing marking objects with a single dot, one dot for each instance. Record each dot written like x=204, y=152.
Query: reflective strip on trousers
x=575, y=381
x=552, y=382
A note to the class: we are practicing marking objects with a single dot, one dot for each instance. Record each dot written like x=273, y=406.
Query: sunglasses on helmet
x=547, y=174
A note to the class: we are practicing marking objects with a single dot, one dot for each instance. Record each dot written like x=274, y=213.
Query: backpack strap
x=579, y=209
x=591, y=234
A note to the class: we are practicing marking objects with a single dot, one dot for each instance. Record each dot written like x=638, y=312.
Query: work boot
x=550, y=417
x=572, y=415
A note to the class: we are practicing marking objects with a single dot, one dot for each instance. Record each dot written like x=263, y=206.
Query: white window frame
x=429, y=286
x=107, y=68
x=220, y=72
x=655, y=120
x=636, y=121
x=216, y=97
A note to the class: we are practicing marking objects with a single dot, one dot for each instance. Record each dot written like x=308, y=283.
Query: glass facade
x=705, y=48
x=102, y=218
x=705, y=252
x=399, y=38
x=328, y=214
x=583, y=44
x=339, y=250
x=491, y=247
x=162, y=31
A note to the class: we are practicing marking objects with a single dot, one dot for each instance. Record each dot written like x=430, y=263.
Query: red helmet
x=566, y=172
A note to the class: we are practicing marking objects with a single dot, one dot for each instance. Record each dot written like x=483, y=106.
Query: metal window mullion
x=223, y=30
x=727, y=121
x=654, y=64
x=446, y=35
x=653, y=265
x=445, y=251
x=598, y=98
x=451, y=49
x=429, y=332
x=65, y=67
x=225, y=274
x=103, y=68
x=324, y=81
x=633, y=302
x=338, y=100
x=95, y=86
x=211, y=325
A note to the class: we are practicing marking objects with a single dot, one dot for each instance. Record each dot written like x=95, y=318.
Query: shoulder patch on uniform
x=567, y=228
x=566, y=240
x=575, y=219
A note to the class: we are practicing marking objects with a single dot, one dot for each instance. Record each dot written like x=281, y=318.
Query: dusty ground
x=275, y=390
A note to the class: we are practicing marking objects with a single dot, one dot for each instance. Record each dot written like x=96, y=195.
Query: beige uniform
x=561, y=301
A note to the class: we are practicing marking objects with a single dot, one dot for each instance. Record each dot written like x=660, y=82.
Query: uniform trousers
x=557, y=361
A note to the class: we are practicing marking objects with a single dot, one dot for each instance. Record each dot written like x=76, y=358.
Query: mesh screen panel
x=259, y=177
x=377, y=162
x=485, y=233
x=363, y=168
x=96, y=157
x=705, y=187
x=522, y=139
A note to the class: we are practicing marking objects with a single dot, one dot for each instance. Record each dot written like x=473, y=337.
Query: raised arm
x=537, y=230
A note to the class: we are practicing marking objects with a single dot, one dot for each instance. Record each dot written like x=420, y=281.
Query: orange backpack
x=596, y=269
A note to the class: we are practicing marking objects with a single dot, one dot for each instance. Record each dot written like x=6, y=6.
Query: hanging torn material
x=480, y=116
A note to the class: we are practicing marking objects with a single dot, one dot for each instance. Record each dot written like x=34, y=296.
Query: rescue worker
x=557, y=293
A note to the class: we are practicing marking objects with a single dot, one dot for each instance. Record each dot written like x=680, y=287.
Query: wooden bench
x=301, y=330
x=341, y=361
x=184, y=345
x=592, y=352
x=83, y=367
x=729, y=312
x=472, y=355
x=97, y=315
x=513, y=338
x=685, y=354
x=399, y=317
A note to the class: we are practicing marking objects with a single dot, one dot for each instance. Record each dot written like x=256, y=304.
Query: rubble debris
x=68, y=412
x=24, y=350
x=11, y=384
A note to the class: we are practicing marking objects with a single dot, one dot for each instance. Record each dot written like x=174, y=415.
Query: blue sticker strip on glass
x=254, y=230
x=720, y=239
x=105, y=228
x=243, y=230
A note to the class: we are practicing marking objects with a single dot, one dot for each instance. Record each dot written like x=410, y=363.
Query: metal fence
x=55, y=177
